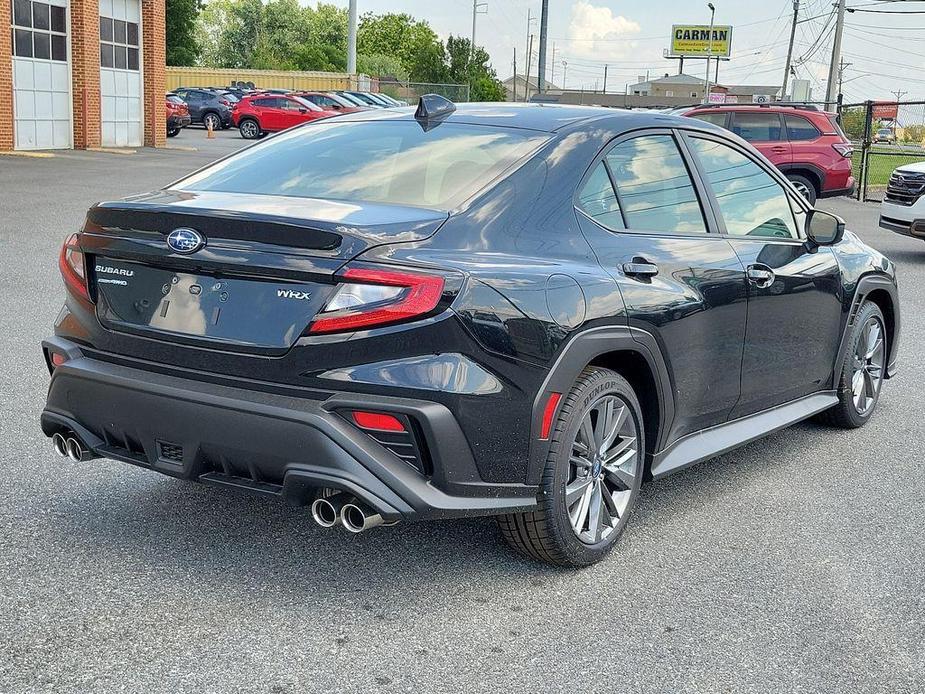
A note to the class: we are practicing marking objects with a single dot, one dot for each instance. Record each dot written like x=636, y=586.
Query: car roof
x=529, y=116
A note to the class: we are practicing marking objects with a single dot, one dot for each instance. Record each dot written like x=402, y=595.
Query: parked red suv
x=805, y=143
x=262, y=113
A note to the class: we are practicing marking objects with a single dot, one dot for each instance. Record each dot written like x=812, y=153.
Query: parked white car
x=903, y=207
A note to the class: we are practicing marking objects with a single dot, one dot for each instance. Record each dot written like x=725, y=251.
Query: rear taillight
x=224, y=102
x=844, y=149
x=71, y=264
x=374, y=297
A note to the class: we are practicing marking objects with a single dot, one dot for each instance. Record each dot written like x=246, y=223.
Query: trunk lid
x=266, y=268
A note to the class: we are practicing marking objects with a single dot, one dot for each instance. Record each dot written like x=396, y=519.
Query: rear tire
x=806, y=187
x=862, y=371
x=213, y=120
x=249, y=128
x=587, y=492
x=173, y=133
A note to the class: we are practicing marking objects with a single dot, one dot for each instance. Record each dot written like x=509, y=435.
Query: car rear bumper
x=268, y=443
x=178, y=121
x=836, y=192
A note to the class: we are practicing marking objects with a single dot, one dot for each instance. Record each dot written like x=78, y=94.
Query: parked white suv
x=903, y=208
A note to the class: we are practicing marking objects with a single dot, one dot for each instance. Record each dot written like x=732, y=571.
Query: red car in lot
x=258, y=114
x=806, y=144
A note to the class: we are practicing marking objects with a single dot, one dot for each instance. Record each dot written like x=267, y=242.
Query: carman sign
x=693, y=40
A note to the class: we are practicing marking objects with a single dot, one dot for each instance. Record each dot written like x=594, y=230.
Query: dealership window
x=39, y=30
x=118, y=44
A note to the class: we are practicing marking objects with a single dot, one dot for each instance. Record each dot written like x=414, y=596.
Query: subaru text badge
x=185, y=240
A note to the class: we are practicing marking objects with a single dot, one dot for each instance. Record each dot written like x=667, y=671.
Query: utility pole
x=527, y=78
x=836, y=55
x=552, y=66
x=842, y=66
x=564, y=72
x=352, y=38
x=899, y=95
x=541, y=67
x=604, y=90
x=477, y=9
x=515, y=75
x=706, y=93
x=528, y=46
x=793, y=33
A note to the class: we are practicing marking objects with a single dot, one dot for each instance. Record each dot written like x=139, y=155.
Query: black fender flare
x=866, y=284
x=580, y=351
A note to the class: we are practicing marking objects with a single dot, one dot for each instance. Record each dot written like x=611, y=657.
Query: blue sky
x=887, y=51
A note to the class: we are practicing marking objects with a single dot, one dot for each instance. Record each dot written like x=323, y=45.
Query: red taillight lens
x=71, y=264
x=377, y=421
x=846, y=150
x=58, y=359
x=374, y=297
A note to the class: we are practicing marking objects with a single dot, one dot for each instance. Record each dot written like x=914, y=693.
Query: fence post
x=865, y=150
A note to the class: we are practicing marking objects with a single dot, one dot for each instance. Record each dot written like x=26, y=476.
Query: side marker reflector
x=377, y=421
x=548, y=414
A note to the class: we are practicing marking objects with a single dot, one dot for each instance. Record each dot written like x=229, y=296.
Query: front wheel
x=249, y=128
x=173, y=132
x=862, y=370
x=592, y=477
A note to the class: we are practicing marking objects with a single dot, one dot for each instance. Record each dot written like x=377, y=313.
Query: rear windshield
x=373, y=161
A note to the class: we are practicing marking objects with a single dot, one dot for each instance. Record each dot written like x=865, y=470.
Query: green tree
x=381, y=65
x=465, y=66
x=413, y=42
x=229, y=32
x=182, y=47
x=852, y=122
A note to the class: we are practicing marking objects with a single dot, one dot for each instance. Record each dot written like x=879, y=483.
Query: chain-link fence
x=886, y=135
x=412, y=91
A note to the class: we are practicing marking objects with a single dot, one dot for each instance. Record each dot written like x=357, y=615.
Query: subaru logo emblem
x=184, y=240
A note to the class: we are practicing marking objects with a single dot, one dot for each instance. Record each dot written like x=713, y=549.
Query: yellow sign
x=694, y=40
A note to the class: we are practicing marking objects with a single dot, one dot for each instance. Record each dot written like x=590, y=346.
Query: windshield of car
x=305, y=103
x=173, y=98
x=884, y=131
x=372, y=161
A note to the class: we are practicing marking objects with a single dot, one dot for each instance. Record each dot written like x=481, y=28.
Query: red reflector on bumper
x=548, y=414
x=378, y=421
x=57, y=359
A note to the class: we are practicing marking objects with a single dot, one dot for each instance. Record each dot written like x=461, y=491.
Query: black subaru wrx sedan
x=496, y=309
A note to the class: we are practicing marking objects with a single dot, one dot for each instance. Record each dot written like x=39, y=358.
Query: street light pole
x=706, y=95
x=352, y=39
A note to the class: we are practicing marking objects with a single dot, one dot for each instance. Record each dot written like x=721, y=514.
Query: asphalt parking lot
x=794, y=564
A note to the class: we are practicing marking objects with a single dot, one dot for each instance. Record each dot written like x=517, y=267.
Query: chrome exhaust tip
x=326, y=510
x=60, y=444
x=75, y=451
x=356, y=517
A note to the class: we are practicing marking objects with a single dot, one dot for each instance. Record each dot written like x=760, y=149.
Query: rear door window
x=598, y=200
x=756, y=127
x=714, y=118
x=798, y=128
x=654, y=186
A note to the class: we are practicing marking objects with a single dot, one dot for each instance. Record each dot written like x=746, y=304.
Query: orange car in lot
x=177, y=115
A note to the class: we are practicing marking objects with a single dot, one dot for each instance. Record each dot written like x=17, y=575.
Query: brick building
x=82, y=73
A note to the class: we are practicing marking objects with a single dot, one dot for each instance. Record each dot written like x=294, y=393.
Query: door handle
x=779, y=149
x=640, y=268
x=760, y=275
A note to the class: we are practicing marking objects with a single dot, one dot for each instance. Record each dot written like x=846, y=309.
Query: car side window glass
x=751, y=201
x=756, y=127
x=654, y=186
x=714, y=118
x=800, y=129
x=598, y=200
x=265, y=103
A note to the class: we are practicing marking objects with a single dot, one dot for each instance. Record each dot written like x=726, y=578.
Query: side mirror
x=823, y=228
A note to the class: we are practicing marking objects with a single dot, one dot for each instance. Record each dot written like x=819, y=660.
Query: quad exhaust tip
x=60, y=444
x=70, y=447
x=357, y=517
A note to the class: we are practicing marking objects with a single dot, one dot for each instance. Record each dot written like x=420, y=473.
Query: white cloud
x=597, y=32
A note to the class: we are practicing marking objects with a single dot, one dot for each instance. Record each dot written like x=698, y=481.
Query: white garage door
x=41, y=75
x=120, y=72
